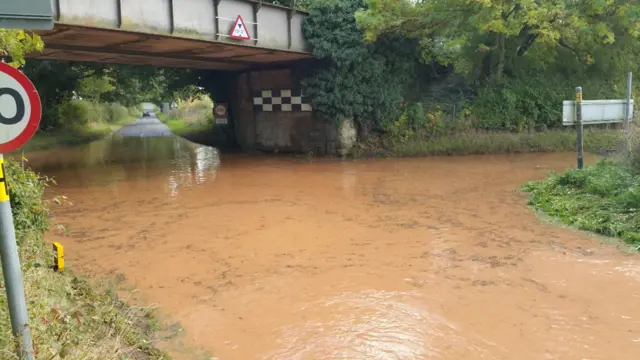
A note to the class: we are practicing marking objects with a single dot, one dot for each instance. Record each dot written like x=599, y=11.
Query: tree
x=489, y=35
x=95, y=86
x=16, y=44
x=364, y=82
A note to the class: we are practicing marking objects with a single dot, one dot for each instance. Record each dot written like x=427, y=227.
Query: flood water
x=262, y=257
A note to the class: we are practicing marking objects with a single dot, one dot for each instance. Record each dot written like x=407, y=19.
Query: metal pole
x=579, y=123
x=12, y=272
x=628, y=114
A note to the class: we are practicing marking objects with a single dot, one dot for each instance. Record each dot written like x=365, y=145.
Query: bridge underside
x=90, y=44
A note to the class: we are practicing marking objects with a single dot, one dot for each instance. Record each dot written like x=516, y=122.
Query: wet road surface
x=145, y=127
x=276, y=258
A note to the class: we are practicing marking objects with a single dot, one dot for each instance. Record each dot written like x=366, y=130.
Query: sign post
x=581, y=112
x=627, y=114
x=579, y=141
x=220, y=114
x=20, y=113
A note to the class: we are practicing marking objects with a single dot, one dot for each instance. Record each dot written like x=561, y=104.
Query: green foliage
x=16, y=43
x=519, y=104
x=194, y=111
x=603, y=199
x=30, y=214
x=95, y=86
x=356, y=80
x=59, y=82
x=402, y=141
x=77, y=114
x=117, y=113
x=487, y=37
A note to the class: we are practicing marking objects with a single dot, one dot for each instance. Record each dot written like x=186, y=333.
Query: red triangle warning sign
x=239, y=30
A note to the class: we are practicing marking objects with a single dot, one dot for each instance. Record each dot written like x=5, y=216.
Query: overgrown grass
x=192, y=120
x=488, y=143
x=604, y=199
x=69, y=318
x=82, y=122
x=44, y=140
x=181, y=127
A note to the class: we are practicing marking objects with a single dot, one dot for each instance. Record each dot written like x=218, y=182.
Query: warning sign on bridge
x=239, y=31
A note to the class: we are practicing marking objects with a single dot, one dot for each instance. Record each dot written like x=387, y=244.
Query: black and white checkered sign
x=279, y=100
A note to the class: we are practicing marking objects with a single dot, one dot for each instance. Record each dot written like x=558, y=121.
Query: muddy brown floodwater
x=260, y=257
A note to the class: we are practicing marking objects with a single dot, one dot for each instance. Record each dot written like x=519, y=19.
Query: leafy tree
x=16, y=43
x=95, y=86
x=365, y=82
x=489, y=35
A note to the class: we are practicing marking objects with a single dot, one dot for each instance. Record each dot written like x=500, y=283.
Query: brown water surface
x=278, y=258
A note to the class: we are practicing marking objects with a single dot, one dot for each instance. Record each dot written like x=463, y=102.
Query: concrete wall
x=273, y=115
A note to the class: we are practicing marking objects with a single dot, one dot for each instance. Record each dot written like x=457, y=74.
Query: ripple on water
x=368, y=325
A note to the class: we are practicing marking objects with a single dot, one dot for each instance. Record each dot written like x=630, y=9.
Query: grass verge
x=44, y=140
x=198, y=132
x=603, y=199
x=489, y=143
x=69, y=318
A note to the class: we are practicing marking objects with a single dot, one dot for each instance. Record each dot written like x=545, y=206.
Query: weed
x=487, y=143
x=604, y=199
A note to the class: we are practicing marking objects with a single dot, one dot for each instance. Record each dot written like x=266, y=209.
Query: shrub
x=520, y=104
x=75, y=113
x=603, y=199
x=633, y=146
x=198, y=111
x=135, y=111
x=364, y=82
x=117, y=113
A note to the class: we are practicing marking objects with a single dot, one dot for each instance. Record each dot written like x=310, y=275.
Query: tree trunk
x=501, y=53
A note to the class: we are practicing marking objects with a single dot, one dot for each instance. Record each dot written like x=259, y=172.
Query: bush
x=117, y=113
x=633, y=146
x=528, y=103
x=135, y=111
x=75, y=113
x=604, y=199
x=356, y=80
x=82, y=113
x=198, y=111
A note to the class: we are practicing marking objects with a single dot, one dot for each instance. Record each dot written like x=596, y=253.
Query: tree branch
x=562, y=43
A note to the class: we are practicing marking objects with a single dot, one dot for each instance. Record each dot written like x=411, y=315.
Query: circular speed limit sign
x=20, y=109
x=220, y=110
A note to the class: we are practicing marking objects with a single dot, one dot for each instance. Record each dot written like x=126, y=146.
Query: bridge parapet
x=270, y=26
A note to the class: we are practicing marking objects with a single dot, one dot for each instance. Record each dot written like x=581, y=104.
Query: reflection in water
x=117, y=159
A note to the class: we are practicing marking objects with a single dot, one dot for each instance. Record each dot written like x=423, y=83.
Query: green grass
x=490, y=143
x=69, y=317
x=603, y=199
x=198, y=132
x=44, y=140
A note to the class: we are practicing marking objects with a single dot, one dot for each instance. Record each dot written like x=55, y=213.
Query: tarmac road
x=145, y=127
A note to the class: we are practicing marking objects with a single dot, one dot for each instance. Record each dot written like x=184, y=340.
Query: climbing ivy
x=365, y=82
